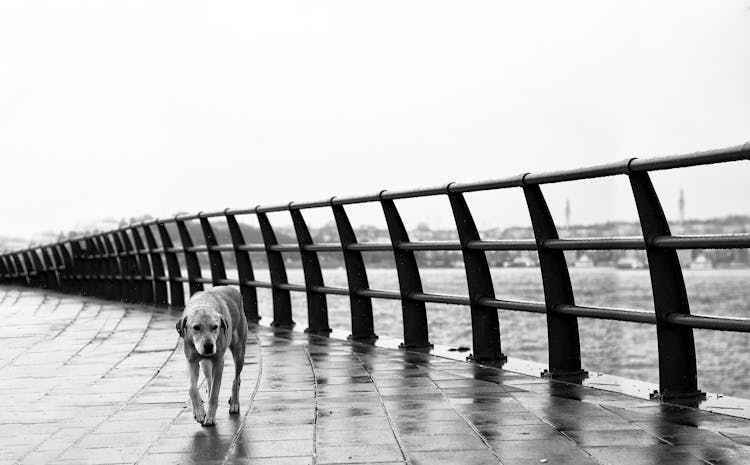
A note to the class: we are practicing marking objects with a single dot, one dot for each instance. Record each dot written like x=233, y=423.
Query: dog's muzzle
x=208, y=349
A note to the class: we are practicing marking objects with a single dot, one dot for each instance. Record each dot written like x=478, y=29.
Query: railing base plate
x=677, y=397
x=427, y=345
x=575, y=376
x=275, y=324
x=318, y=332
x=364, y=339
x=488, y=361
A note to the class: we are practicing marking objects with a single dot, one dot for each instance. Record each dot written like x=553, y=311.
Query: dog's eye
x=214, y=328
x=197, y=327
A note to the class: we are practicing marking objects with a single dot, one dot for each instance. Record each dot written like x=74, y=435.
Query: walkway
x=89, y=381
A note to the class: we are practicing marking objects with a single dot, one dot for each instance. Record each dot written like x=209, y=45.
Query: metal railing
x=128, y=264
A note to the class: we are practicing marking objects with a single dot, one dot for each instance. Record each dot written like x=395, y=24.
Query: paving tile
x=331, y=438
x=649, y=455
x=275, y=461
x=518, y=432
x=612, y=438
x=361, y=423
x=359, y=454
x=472, y=457
x=39, y=458
x=304, y=432
x=130, y=426
x=95, y=441
x=110, y=455
x=179, y=459
x=444, y=442
x=290, y=448
x=434, y=427
x=553, y=450
x=205, y=446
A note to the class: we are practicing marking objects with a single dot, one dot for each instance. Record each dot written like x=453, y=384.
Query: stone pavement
x=90, y=381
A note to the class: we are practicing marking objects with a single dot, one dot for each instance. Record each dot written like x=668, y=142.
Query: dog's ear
x=181, y=325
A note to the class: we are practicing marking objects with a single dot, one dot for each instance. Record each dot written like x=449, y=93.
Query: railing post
x=157, y=267
x=356, y=274
x=176, y=291
x=62, y=257
x=13, y=269
x=23, y=276
x=41, y=270
x=107, y=270
x=485, y=326
x=53, y=280
x=282, y=302
x=191, y=258
x=93, y=268
x=218, y=272
x=4, y=273
x=144, y=268
x=10, y=272
x=413, y=313
x=244, y=270
x=77, y=268
x=134, y=267
x=117, y=289
x=127, y=290
x=83, y=268
x=678, y=377
x=317, y=306
x=31, y=272
x=562, y=330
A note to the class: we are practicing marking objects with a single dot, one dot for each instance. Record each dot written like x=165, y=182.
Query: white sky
x=123, y=108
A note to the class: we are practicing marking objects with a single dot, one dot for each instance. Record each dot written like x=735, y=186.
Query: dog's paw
x=208, y=421
x=199, y=413
x=234, y=407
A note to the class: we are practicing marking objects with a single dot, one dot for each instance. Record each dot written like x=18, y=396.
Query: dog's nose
x=208, y=348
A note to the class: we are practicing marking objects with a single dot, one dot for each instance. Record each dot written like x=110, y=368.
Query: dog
x=213, y=321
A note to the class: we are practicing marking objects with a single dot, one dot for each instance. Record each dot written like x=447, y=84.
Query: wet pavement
x=89, y=381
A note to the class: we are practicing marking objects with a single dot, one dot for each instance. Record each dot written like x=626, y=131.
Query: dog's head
x=203, y=327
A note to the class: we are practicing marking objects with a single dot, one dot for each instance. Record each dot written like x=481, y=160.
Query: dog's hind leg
x=238, y=353
x=213, y=400
x=199, y=413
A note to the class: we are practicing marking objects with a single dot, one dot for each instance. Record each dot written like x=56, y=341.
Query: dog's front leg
x=207, y=366
x=199, y=413
x=213, y=400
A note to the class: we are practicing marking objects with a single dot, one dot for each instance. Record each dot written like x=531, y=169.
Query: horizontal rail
x=439, y=298
x=710, y=322
x=514, y=305
x=710, y=241
x=635, y=316
x=708, y=157
x=718, y=241
x=596, y=243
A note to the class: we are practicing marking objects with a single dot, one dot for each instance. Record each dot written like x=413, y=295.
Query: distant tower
x=567, y=213
x=682, y=206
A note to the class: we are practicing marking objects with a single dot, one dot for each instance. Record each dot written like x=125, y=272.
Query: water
x=619, y=348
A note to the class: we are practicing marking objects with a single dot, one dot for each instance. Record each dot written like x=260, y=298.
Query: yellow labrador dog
x=212, y=321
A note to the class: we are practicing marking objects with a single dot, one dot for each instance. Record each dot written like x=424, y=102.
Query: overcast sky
x=124, y=108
